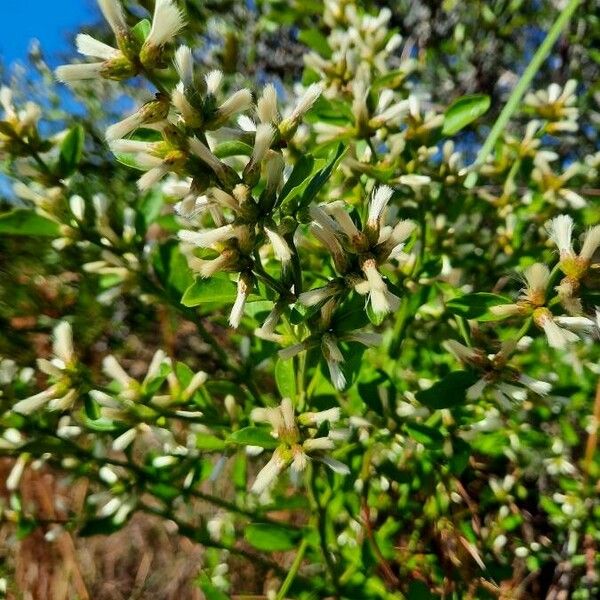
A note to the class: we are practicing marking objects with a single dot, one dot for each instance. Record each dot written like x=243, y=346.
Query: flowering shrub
x=373, y=357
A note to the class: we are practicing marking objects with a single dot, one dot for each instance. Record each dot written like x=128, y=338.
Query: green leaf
x=285, y=377
x=215, y=289
x=390, y=80
x=150, y=206
x=316, y=41
x=141, y=30
x=448, y=392
x=271, y=538
x=209, y=443
x=71, y=151
x=232, y=148
x=101, y=424
x=423, y=434
x=253, y=436
x=477, y=306
x=22, y=221
x=164, y=491
x=463, y=111
x=129, y=160
x=103, y=526
x=302, y=169
x=92, y=408
x=320, y=179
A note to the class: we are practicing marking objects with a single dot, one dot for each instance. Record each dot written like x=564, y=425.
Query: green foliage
x=306, y=327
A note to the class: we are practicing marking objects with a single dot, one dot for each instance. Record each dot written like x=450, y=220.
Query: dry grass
x=147, y=559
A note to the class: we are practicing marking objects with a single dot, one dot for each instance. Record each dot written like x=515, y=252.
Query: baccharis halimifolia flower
x=573, y=265
x=495, y=374
x=552, y=185
x=296, y=445
x=556, y=105
x=533, y=295
x=329, y=342
x=112, y=63
x=167, y=22
x=289, y=125
x=151, y=113
x=359, y=253
x=62, y=373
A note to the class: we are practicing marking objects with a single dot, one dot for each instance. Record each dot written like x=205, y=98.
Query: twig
x=520, y=89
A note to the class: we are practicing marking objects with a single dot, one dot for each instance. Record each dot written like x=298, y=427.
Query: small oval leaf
x=463, y=111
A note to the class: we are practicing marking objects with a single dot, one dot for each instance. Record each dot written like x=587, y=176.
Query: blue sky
x=50, y=21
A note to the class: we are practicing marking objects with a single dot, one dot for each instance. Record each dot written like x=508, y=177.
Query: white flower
x=167, y=22
x=35, y=402
x=114, y=370
x=63, y=342
x=184, y=64
x=113, y=13
x=124, y=440
x=320, y=294
x=262, y=142
x=310, y=96
x=125, y=126
x=316, y=419
x=382, y=300
x=266, y=107
x=379, y=200
x=205, y=155
x=205, y=238
x=414, y=181
x=71, y=73
x=558, y=337
x=269, y=473
x=293, y=350
x=213, y=81
x=238, y=102
x=539, y=387
x=77, y=206
x=244, y=288
x=560, y=231
x=14, y=477
x=591, y=242
x=108, y=475
x=280, y=246
x=89, y=46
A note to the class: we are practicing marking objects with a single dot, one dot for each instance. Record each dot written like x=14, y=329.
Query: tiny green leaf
x=423, y=434
x=23, y=221
x=321, y=178
x=71, y=151
x=215, y=289
x=476, y=306
x=448, y=392
x=463, y=111
x=253, y=436
x=232, y=148
x=141, y=30
x=271, y=538
x=302, y=169
x=285, y=377
x=316, y=41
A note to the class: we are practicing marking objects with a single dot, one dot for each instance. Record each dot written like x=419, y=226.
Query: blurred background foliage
x=513, y=475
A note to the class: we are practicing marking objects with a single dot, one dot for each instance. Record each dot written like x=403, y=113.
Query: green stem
x=520, y=89
x=320, y=515
x=285, y=586
x=399, y=328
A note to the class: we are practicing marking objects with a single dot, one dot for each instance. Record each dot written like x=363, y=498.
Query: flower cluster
x=295, y=444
